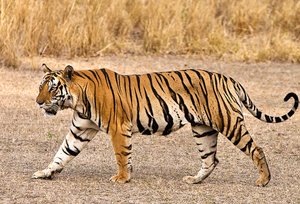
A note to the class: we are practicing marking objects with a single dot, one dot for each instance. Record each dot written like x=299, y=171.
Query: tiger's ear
x=45, y=68
x=68, y=72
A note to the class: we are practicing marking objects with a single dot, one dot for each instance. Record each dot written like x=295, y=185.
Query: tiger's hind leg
x=241, y=138
x=206, y=140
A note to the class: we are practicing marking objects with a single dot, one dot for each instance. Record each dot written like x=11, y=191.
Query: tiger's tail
x=244, y=97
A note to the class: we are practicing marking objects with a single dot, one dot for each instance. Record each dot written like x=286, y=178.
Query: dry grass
x=257, y=30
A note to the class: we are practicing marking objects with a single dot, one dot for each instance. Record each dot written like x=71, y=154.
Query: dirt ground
x=28, y=141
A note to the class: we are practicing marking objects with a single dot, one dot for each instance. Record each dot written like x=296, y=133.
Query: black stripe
x=95, y=76
x=125, y=153
x=126, y=135
x=285, y=117
x=128, y=147
x=129, y=85
x=207, y=155
x=269, y=119
x=258, y=114
x=78, y=74
x=87, y=76
x=191, y=83
x=138, y=83
x=78, y=137
x=82, y=116
x=186, y=89
x=146, y=132
x=214, y=146
x=98, y=76
x=248, y=145
x=95, y=104
x=187, y=114
x=87, y=104
x=231, y=100
x=218, y=97
x=158, y=82
x=151, y=122
x=138, y=122
x=209, y=133
x=151, y=118
x=189, y=78
x=231, y=135
x=117, y=77
x=252, y=153
x=163, y=104
x=238, y=139
x=205, y=95
x=71, y=152
x=173, y=94
x=108, y=81
x=291, y=113
x=65, y=152
x=154, y=126
x=148, y=102
x=78, y=128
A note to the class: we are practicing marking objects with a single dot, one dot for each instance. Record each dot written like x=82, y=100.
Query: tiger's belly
x=164, y=121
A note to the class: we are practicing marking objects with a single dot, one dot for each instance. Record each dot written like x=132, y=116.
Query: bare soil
x=28, y=141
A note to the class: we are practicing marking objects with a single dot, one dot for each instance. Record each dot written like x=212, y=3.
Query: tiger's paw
x=262, y=181
x=120, y=179
x=191, y=179
x=44, y=174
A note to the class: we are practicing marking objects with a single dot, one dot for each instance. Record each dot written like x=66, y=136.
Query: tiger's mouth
x=51, y=111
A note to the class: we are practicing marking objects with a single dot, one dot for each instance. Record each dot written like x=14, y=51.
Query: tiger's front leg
x=121, y=142
x=75, y=141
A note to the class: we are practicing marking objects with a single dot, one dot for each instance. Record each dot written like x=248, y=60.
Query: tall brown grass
x=244, y=30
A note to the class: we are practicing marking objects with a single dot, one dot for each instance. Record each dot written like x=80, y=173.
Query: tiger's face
x=54, y=94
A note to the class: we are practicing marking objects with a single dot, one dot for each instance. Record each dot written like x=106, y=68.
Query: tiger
x=158, y=102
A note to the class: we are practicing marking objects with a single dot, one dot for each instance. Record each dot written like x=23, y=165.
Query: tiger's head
x=54, y=93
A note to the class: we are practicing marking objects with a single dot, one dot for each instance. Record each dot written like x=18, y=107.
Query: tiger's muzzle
x=50, y=109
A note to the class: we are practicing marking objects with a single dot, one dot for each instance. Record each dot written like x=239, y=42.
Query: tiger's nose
x=40, y=102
